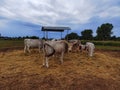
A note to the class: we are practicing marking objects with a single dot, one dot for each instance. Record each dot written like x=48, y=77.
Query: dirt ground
x=19, y=71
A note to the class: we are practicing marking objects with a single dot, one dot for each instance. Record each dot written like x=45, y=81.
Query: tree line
x=18, y=38
x=104, y=32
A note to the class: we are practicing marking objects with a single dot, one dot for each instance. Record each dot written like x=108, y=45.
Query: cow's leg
x=28, y=48
x=91, y=52
x=39, y=49
x=44, y=61
x=61, y=58
x=44, y=57
x=47, y=65
x=87, y=50
x=25, y=49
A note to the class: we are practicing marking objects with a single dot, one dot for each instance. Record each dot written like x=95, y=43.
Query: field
x=19, y=71
x=4, y=44
x=101, y=45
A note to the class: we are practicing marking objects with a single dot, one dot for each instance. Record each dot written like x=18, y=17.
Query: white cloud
x=111, y=12
x=58, y=12
x=3, y=23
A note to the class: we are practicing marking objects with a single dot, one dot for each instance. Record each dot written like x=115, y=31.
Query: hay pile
x=25, y=71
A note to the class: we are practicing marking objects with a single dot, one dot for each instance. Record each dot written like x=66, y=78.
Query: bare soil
x=19, y=71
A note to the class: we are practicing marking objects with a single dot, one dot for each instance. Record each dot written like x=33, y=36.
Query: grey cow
x=28, y=43
x=74, y=45
x=54, y=47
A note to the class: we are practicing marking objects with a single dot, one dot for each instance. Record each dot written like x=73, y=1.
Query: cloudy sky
x=25, y=17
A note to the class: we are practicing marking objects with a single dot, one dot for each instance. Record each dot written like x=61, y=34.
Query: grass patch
x=113, y=48
x=11, y=43
x=103, y=45
x=107, y=43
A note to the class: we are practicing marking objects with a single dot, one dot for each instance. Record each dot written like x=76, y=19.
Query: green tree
x=72, y=36
x=118, y=38
x=34, y=37
x=87, y=34
x=104, y=31
x=113, y=37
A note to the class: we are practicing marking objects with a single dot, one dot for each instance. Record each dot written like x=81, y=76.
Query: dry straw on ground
x=19, y=71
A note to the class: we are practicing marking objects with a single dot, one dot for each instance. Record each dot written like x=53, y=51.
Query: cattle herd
x=57, y=47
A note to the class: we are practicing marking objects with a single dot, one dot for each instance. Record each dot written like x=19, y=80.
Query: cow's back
x=33, y=42
x=59, y=46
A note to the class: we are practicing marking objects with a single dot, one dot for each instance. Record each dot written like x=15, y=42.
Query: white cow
x=90, y=48
x=54, y=47
x=28, y=43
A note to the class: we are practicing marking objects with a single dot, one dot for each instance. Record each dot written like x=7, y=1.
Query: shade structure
x=47, y=29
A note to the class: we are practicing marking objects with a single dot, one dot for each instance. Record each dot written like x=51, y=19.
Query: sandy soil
x=19, y=71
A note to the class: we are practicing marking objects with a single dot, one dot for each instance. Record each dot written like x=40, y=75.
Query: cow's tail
x=48, y=47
